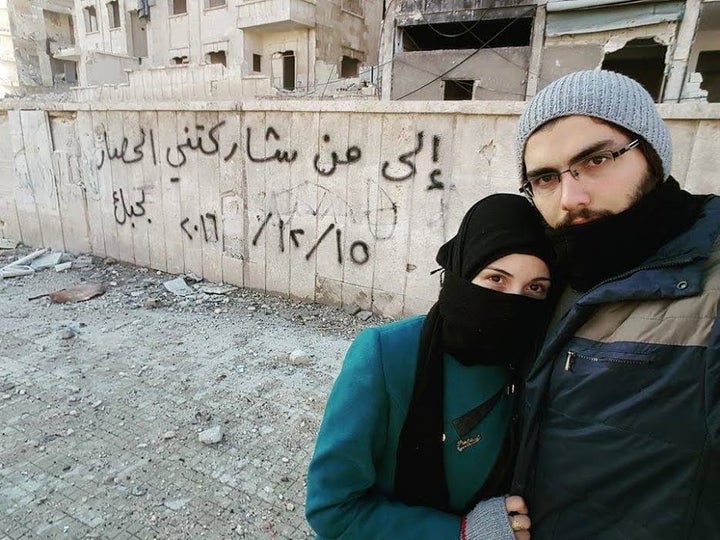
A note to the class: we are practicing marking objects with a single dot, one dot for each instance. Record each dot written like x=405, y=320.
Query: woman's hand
x=500, y=518
x=518, y=515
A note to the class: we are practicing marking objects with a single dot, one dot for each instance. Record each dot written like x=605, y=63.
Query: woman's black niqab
x=474, y=324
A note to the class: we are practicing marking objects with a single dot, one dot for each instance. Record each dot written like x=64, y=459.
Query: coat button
x=682, y=284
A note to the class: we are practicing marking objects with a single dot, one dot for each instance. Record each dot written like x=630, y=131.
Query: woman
x=417, y=427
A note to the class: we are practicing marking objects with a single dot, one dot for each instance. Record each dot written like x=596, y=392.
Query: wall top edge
x=509, y=108
x=670, y=111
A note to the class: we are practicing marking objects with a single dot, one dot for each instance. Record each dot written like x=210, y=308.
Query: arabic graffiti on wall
x=379, y=214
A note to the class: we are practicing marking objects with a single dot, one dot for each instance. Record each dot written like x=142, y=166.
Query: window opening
x=179, y=7
x=114, y=13
x=90, y=19
x=708, y=65
x=218, y=57
x=642, y=60
x=289, y=70
x=490, y=33
x=349, y=67
x=457, y=89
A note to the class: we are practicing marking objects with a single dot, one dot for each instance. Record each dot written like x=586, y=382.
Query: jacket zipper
x=572, y=356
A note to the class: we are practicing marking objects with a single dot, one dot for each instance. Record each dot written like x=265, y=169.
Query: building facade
x=297, y=44
x=33, y=36
x=502, y=50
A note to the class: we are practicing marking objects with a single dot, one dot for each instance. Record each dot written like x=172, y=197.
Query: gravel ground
x=109, y=408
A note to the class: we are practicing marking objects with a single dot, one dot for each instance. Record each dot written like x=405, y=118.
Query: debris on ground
x=7, y=243
x=178, y=287
x=48, y=260
x=298, y=358
x=19, y=267
x=80, y=293
x=144, y=363
x=211, y=435
x=218, y=289
x=364, y=315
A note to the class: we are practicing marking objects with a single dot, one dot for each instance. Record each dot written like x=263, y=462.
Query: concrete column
x=388, y=35
x=311, y=57
x=536, y=48
x=41, y=40
x=679, y=62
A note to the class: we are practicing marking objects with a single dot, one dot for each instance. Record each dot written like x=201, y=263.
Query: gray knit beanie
x=606, y=95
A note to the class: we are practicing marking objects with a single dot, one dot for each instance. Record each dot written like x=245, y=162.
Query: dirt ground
x=102, y=404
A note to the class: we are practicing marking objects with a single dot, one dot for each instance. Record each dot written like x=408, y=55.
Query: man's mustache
x=584, y=214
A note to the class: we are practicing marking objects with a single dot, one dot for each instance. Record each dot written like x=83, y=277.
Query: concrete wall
x=103, y=68
x=499, y=74
x=183, y=82
x=331, y=202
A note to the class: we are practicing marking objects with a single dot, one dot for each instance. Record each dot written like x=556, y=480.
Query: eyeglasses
x=593, y=167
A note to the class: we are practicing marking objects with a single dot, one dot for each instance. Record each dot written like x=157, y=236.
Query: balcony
x=276, y=15
x=69, y=52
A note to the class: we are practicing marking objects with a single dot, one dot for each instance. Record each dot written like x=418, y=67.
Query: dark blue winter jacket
x=621, y=436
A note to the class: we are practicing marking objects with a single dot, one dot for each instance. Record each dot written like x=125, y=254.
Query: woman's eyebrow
x=505, y=272
x=542, y=278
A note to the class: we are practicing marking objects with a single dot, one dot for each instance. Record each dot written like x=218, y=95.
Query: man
x=621, y=436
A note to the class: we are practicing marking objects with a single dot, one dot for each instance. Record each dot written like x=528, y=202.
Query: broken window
x=179, y=60
x=91, y=24
x=457, y=89
x=217, y=57
x=642, y=60
x=468, y=35
x=114, y=13
x=257, y=63
x=214, y=3
x=178, y=7
x=708, y=65
x=349, y=67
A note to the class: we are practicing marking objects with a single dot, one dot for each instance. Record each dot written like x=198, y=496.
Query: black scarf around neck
x=477, y=326
x=593, y=252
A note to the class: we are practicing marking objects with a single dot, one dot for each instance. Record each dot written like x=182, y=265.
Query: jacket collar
x=675, y=271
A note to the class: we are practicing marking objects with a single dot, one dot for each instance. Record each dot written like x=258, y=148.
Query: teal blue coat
x=351, y=474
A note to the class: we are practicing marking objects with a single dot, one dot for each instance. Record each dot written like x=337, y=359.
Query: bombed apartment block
x=36, y=46
x=500, y=50
x=195, y=49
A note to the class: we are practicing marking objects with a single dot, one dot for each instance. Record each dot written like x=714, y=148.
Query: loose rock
x=298, y=358
x=364, y=315
x=211, y=435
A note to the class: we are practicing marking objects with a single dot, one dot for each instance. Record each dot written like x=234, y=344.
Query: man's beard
x=592, y=252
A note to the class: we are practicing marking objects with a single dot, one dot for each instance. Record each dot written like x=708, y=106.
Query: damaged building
x=502, y=50
x=34, y=37
x=298, y=46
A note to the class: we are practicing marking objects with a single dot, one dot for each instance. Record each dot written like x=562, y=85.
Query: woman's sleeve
x=341, y=501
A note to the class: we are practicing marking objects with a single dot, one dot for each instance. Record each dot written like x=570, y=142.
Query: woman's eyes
x=538, y=288
x=501, y=282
